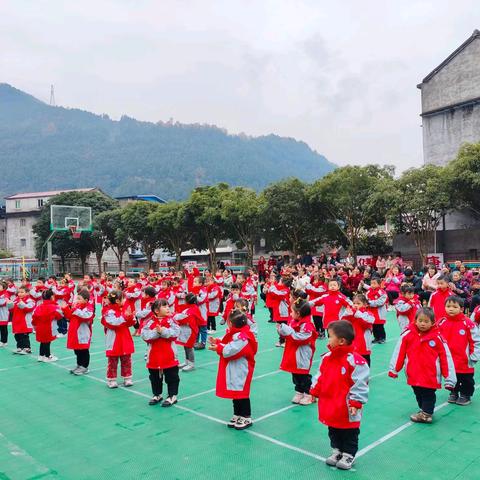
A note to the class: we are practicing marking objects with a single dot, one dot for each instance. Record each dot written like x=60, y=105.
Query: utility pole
x=52, y=96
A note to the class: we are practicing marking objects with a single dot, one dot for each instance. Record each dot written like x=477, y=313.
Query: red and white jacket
x=463, y=339
x=162, y=350
x=437, y=302
x=427, y=358
x=341, y=382
x=36, y=294
x=118, y=339
x=62, y=292
x=80, y=328
x=44, y=319
x=335, y=304
x=189, y=320
x=145, y=312
x=362, y=321
x=229, y=304
x=180, y=293
x=201, y=294
x=4, y=301
x=406, y=309
x=249, y=292
x=377, y=300
x=300, y=336
x=314, y=291
x=237, y=350
x=214, y=298
x=475, y=317
x=133, y=297
x=280, y=297
x=22, y=315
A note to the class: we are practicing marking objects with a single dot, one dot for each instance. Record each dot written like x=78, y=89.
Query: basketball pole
x=48, y=242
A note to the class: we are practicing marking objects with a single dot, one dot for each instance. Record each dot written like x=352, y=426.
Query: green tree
x=135, y=218
x=62, y=242
x=417, y=201
x=204, y=208
x=174, y=228
x=289, y=219
x=242, y=210
x=110, y=226
x=351, y=200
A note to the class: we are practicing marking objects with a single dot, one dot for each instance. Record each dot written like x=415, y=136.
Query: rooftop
x=50, y=193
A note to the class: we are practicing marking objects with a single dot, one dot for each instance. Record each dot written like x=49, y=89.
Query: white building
x=22, y=211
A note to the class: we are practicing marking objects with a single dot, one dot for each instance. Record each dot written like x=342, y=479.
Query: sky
x=340, y=76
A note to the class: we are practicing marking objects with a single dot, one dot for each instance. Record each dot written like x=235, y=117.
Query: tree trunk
x=212, y=248
x=83, y=261
x=250, y=248
x=64, y=267
x=178, y=259
x=99, y=256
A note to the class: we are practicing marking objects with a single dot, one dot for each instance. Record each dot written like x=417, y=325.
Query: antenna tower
x=52, y=96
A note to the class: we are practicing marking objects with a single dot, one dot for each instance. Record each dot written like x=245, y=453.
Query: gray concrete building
x=451, y=103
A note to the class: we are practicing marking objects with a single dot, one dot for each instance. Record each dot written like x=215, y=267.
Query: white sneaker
x=22, y=351
x=346, y=462
x=181, y=365
x=3, y=344
x=50, y=359
x=243, y=423
x=281, y=345
x=80, y=371
x=61, y=335
x=333, y=459
x=17, y=351
x=112, y=384
x=233, y=421
x=128, y=382
x=41, y=358
x=298, y=396
x=307, y=399
x=188, y=368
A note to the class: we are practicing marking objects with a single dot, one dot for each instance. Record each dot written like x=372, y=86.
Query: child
x=62, y=292
x=475, y=315
x=117, y=321
x=316, y=289
x=145, y=312
x=269, y=301
x=214, y=297
x=377, y=299
x=280, y=294
x=439, y=297
x=341, y=387
x=300, y=336
x=36, y=292
x=4, y=313
x=160, y=332
x=463, y=339
x=80, y=315
x=44, y=319
x=362, y=320
x=406, y=306
x=189, y=320
x=237, y=351
x=200, y=292
x=426, y=356
x=22, y=308
x=232, y=297
x=243, y=305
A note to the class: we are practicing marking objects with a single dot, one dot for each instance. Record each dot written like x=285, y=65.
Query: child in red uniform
x=362, y=320
x=4, y=313
x=145, y=312
x=200, y=291
x=300, y=336
x=475, y=317
x=315, y=289
x=406, y=306
x=463, y=339
x=377, y=301
x=22, y=308
x=117, y=321
x=280, y=295
x=44, y=319
x=189, y=320
x=214, y=298
x=232, y=297
x=160, y=332
x=424, y=352
x=439, y=297
x=80, y=315
x=341, y=387
x=237, y=351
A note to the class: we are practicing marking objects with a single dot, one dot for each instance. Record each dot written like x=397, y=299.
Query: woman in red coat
x=44, y=319
x=117, y=321
x=237, y=351
x=160, y=332
x=22, y=309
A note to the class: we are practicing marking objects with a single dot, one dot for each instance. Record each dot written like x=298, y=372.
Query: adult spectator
x=298, y=260
x=466, y=273
x=307, y=259
x=262, y=269
x=353, y=281
x=280, y=263
x=429, y=283
x=388, y=263
x=475, y=290
x=460, y=287
x=413, y=280
x=393, y=281
x=381, y=266
x=322, y=259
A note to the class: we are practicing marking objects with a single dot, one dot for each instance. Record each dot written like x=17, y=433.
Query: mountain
x=45, y=148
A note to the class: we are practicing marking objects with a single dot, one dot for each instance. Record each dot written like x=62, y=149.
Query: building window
x=40, y=202
x=23, y=242
x=17, y=203
x=23, y=222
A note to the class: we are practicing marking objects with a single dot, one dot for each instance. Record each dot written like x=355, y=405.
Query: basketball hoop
x=73, y=230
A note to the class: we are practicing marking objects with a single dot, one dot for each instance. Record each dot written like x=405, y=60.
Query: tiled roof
x=51, y=193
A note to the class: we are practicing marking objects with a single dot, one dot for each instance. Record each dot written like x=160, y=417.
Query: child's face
x=357, y=303
x=442, y=284
x=21, y=293
x=452, y=308
x=334, y=341
x=40, y=283
x=196, y=282
x=423, y=323
x=374, y=284
x=409, y=295
x=333, y=286
x=162, y=311
x=80, y=300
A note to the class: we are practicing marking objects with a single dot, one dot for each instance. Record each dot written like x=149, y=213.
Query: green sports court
x=58, y=426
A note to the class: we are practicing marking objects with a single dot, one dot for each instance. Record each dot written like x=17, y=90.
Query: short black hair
x=150, y=292
x=47, y=294
x=114, y=296
x=235, y=286
x=407, y=288
x=428, y=312
x=191, y=298
x=161, y=302
x=237, y=318
x=361, y=298
x=444, y=278
x=342, y=329
x=302, y=307
x=455, y=299
x=299, y=294
x=85, y=294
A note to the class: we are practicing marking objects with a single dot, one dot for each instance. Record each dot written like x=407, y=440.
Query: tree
x=173, y=227
x=376, y=244
x=62, y=242
x=135, y=218
x=463, y=176
x=110, y=226
x=204, y=208
x=242, y=211
x=289, y=220
x=417, y=201
x=350, y=197
x=99, y=243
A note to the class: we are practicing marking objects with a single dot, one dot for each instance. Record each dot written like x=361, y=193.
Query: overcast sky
x=341, y=76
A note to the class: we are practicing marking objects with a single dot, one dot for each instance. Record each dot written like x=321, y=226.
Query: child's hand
x=212, y=347
x=212, y=341
x=353, y=411
x=159, y=329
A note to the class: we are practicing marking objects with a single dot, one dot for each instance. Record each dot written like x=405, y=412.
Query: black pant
x=270, y=309
x=302, y=382
x=211, y=322
x=425, y=296
x=426, y=398
x=62, y=326
x=465, y=384
x=345, y=439
x=83, y=358
x=3, y=333
x=171, y=379
x=280, y=338
x=45, y=349
x=367, y=358
x=23, y=340
x=475, y=302
x=379, y=332
x=318, y=322
x=241, y=407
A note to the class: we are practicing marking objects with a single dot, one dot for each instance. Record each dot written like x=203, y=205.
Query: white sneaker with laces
x=50, y=359
x=41, y=358
x=233, y=421
x=334, y=458
x=128, y=382
x=188, y=367
x=3, y=344
x=243, y=423
x=112, y=383
x=298, y=396
x=346, y=462
x=307, y=399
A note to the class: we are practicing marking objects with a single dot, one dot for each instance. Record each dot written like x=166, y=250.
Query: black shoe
x=463, y=401
x=155, y=399
x=382, y=341
x=170, y=401
x=375, y=340
x=452, y=398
